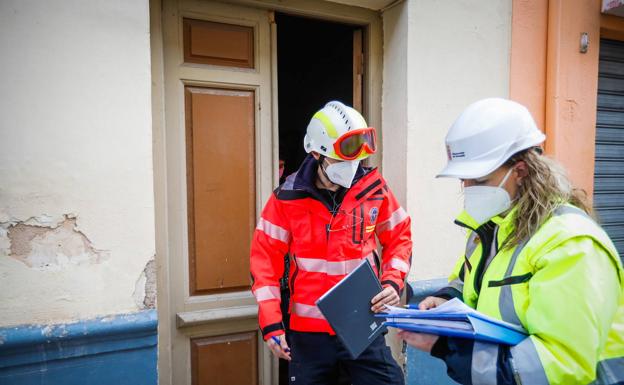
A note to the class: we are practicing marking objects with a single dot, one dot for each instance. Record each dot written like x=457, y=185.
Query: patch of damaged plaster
x=49, y=244
x=145, y=288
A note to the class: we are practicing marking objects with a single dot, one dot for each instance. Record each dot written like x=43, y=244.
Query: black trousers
x=317, y=358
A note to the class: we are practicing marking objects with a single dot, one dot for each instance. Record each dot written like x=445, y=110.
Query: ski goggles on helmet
x=353, y=143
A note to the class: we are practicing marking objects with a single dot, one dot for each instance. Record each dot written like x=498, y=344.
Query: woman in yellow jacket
x=534, y=257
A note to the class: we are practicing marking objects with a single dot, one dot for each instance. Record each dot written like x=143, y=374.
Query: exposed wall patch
x=51, y=245
x=145, y=288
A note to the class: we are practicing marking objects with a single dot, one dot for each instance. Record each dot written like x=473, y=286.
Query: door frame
x=165, y=195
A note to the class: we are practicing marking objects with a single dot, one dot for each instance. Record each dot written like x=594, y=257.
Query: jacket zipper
x=485, y=250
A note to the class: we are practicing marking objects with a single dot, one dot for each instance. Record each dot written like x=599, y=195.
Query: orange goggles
x=351, y=145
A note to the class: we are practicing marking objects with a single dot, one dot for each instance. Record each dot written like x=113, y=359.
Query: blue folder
x=483, y=327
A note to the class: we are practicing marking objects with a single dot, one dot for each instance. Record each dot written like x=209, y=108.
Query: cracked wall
x=51, y=247
x=76, y=191
x=145, y=288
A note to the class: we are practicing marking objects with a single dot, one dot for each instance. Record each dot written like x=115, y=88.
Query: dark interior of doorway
x=314, y=66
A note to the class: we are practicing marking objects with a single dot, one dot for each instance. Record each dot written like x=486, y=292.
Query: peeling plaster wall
x=76, y=187
x=439, y=56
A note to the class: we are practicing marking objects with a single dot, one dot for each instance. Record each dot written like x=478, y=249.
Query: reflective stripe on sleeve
x=399, y=264
x=310, y=311
x=526, y=364
x=398, y=216
x=266, y=293
x=457, y=284
x=484, y=361
x=273, y=231
x=318, y=265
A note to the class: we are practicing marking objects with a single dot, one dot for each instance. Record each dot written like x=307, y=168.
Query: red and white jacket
x=324, y=248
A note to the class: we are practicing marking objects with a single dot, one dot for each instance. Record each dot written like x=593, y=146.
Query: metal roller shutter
x=609, y=167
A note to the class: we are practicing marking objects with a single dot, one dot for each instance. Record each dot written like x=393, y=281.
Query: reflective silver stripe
x=398, y=264
x=318, y=265
x=562, y=210
x=610, y=371
x=371, y=259
x=493, y=249
x=398, y=216
x=471, y=244
x=266, y=293
x=526, y=364
x=273, y=231
x=309, y=311
x=505, y=300
x=484, y=361
x=457, y=284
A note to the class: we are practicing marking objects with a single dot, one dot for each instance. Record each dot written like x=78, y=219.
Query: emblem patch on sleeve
x=372, y=214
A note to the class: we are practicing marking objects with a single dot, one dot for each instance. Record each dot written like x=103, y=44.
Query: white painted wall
x=75, y=140
x=454, y=53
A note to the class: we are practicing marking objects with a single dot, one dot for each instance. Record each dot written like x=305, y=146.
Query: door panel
x=220, y=167
x=221, y=44
x=225, y=360
x=221, y=187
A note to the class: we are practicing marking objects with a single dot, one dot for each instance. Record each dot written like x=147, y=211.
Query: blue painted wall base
x=120, y=349
x=422, y=368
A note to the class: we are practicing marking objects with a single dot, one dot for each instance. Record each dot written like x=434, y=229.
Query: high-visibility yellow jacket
x=564, y=285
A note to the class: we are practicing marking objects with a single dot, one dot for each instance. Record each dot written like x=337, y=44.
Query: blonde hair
x=544, y=188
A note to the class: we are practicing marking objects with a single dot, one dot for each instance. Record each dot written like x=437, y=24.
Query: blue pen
x=279, y=343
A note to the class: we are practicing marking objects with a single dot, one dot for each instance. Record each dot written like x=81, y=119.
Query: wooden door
x=220, y=170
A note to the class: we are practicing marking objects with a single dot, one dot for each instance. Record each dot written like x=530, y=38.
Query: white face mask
x=484, y=202
x=342, y=173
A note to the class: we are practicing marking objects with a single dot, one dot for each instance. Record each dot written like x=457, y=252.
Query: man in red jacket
x=328, y=216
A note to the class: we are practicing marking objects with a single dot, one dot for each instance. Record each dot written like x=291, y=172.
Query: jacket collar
x=505, y=223
x=365, y=183
x=305, y=177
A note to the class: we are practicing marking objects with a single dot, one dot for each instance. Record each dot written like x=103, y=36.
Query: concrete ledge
x=203, y=317
x=118, y=349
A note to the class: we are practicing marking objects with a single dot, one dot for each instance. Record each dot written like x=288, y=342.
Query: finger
x=274, y=350
x=277, y=352
x=426, y=304
x=394, y=300
x=379, y=297
x=380, y=306
x=284, y=355
x=284, y=345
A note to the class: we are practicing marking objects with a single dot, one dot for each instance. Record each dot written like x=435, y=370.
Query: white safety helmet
x=486, y=135
x=340, y=132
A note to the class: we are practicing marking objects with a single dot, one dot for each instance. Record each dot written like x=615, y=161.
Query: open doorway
x=317, y=61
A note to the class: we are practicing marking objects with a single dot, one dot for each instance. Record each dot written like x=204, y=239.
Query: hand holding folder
x=346, y=306
x=454, y=319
